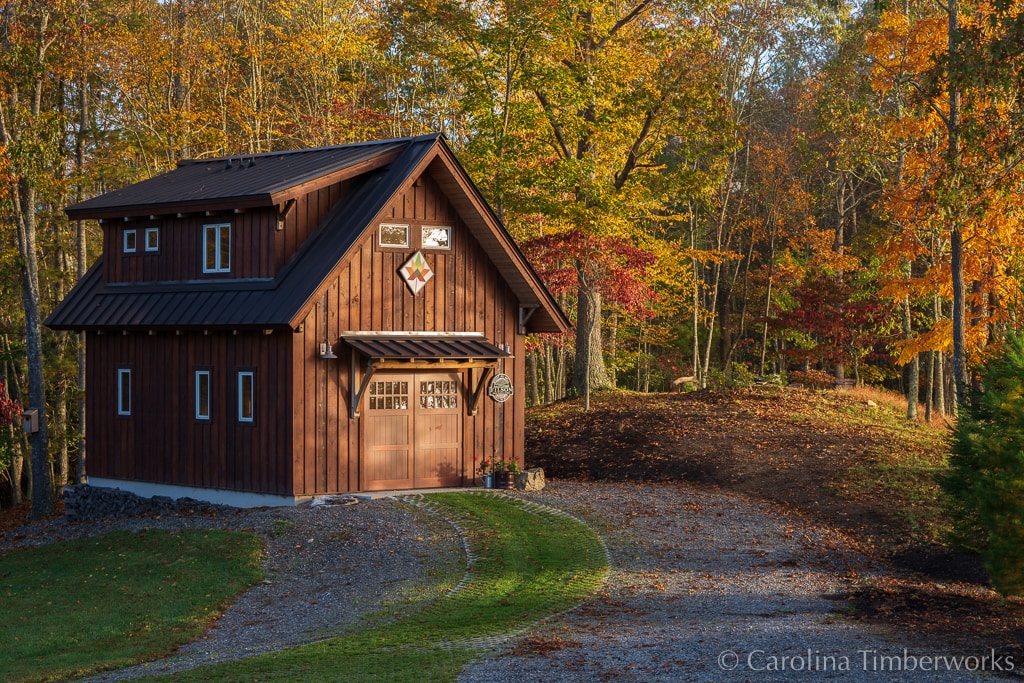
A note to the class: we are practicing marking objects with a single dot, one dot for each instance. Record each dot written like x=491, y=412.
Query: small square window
x=131, y=238
x=152, y=239
x=393, y=235
x=437, y=237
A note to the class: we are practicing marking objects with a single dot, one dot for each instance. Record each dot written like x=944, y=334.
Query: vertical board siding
x=258, y=248
x=366, y=292
x=161, y=441
x=303, y=441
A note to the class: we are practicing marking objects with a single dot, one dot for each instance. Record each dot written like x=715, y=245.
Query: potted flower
x=487, y=473
x=505, y=474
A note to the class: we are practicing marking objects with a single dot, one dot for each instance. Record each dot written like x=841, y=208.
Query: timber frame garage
x=267, y=328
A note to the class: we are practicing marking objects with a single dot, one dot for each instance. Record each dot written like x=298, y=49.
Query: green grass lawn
x=99, y=603
x=527, y=563
x=83, y=606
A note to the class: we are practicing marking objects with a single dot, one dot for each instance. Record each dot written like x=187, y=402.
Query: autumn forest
x=715, y=192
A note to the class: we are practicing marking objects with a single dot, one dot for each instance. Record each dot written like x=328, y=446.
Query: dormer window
x=217, y=248
x=131, y=239
x=152, y=236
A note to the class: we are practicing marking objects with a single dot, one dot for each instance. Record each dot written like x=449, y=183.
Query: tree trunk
x=929, y=401
x=42, y=504
x=588, y=370
x=549, y=373
x=956, y=239
x=914, y=375
x=533, y=394
x=80, y=242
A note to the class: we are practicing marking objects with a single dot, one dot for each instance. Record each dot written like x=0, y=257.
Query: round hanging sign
x=500, y=388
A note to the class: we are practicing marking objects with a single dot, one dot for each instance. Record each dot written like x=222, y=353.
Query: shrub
x=984, y=487
x=738, y=377
x=813, y=379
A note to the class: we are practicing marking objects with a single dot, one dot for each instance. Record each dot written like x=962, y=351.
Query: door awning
x=458, y=348
x=421, y=351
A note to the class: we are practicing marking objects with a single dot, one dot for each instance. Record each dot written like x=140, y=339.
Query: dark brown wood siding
x=162, y=441
x=367, y=293
x=303, y=219
x=180, y=253
x=258, y=248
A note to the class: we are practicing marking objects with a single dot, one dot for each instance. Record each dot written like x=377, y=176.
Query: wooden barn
x=267, y=328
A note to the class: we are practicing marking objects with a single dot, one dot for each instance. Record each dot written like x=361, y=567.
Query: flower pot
x=504, y=479
x=488, y=478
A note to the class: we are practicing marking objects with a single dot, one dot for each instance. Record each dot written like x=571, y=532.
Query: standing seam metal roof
x=262, y=303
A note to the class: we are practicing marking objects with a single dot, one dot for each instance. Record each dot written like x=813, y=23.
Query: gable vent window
x=217, y=248
x=131, y=238
x=437, y=237
x=393, y=235
x=152, y=239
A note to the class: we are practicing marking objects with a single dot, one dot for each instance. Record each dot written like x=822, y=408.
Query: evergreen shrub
x=984, y=487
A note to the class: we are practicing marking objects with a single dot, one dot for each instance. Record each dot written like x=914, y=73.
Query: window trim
x=124, y=403
x=221, y=232
x=135, y=240
x=242, y=417
x=408, y=235
x=145, y=240
x=424, y=228
x=199, y=416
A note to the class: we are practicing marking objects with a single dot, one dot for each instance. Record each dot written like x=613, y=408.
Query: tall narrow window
x=124, y=391
x=131, y=238
x=246, y=413
x=152, y=239
x=217, y=248
x=202, y=394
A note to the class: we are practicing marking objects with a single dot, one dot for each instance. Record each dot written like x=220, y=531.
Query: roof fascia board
x=260, y=201
x=286, y=191
x=428, y=156
x=491, y=222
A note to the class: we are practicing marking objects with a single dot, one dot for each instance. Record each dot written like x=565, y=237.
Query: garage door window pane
x=389, y=395
x=439, y=394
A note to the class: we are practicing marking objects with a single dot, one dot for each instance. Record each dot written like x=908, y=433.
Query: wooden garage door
x=412, y=435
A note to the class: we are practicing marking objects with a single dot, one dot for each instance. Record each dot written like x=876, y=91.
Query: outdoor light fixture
x=326, y=352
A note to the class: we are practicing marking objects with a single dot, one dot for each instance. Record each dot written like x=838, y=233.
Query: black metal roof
x=391, y=346
x=237, y=182
x=280, y=302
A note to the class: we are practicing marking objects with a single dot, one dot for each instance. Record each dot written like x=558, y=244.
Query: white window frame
x=155, y=232
x=221, y=233
x=423, y=232
x=135, y=240
x=201, y=376
x=380, y=230
x=124, y=391
x=242, y=393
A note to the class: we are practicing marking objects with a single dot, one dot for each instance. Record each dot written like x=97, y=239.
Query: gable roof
x=381, y=170
x=249, y=181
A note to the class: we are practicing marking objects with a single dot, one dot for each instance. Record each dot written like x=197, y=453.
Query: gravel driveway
x=709, y=586
x=705, y=586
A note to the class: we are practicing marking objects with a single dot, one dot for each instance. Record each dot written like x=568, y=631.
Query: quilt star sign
x=416, y=272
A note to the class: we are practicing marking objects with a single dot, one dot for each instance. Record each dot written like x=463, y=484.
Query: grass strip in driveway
x=526, y=562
